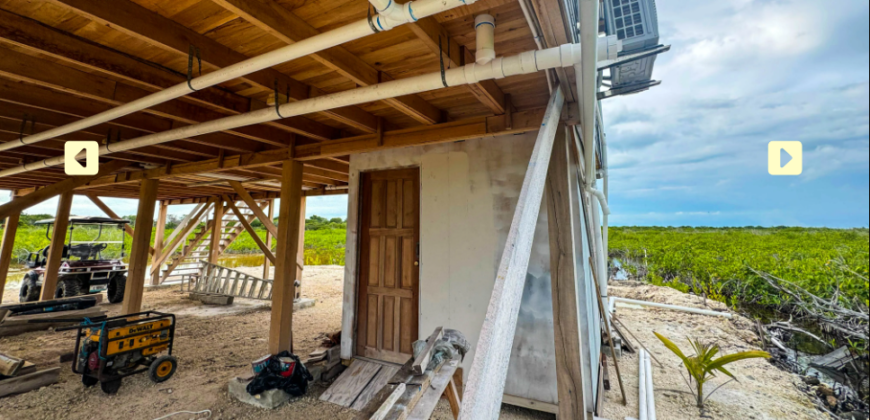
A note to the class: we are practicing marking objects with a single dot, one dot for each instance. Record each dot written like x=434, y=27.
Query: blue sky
x=693, y=151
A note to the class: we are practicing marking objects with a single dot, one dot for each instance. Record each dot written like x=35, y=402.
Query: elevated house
x=467, y=135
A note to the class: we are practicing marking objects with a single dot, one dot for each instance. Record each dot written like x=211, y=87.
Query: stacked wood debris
x=34, y=316
x=18, y=376
x=325, y=363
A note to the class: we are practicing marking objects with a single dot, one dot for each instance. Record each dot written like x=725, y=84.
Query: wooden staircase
x=185, y=264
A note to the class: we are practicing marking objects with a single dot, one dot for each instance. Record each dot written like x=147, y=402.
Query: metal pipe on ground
x=672, y=307
x=523, y=63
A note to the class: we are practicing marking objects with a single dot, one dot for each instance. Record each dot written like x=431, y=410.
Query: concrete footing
x=269, y=399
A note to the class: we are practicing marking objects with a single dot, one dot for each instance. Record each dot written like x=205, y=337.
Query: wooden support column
x=562, y=216
x=266, y=263
x=300, y=259
x=58, y=239
x=281, y=326
x=139, y=249
x=158, y=241
x=11, y=227
x=214, y=250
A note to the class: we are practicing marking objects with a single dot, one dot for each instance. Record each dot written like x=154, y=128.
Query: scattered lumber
x=24, y=383
x=422, y=360
x=9, y=365
x=54, y=305
x=14, y=325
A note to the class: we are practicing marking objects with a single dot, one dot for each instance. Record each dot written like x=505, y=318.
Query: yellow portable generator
x=112, y=348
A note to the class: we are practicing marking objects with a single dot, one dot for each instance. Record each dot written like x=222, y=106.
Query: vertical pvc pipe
x=484, y=25
x=642, y=405
x=650, y=392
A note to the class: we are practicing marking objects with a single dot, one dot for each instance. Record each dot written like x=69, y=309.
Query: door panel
x=387, y=316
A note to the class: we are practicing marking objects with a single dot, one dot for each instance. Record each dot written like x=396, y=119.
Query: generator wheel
x=68, y=287
x=111, y=387
x=162, y=369
x=89, y=381
x=115, y=291
x=29, y=291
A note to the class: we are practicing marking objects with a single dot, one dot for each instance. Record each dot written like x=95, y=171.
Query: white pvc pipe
x=484, y=25
x=642, y=392
x=650, y=391
x=524, y=63
x=396, y=15
x=587, y=74
x=672, y=307
x=536, y=35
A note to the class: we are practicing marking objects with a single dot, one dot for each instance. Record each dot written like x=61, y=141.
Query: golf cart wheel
x=89, y=381
x=111, y=387
x=29, y=291
x=162, y=369
x=115, y=291
x=69, y=287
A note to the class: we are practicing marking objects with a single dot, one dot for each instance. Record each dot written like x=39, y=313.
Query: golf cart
x=83, y=269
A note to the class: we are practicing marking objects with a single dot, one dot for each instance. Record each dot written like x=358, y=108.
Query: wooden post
x=6, y=248
x=562, y=216
x=214, y=250
x=127, y=229
x=58, y=238
x=284, y=289
x=266, y=263
x=158, y=241
x=139, y=249
x=300, y=258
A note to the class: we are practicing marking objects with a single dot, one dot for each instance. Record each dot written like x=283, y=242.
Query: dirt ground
x=212, y=345
x=763, y=392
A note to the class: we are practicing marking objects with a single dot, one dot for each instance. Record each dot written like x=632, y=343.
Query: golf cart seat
x=86, y=251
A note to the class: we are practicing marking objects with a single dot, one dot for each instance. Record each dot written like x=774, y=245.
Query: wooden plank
x=381, y=414
x=345, y=390
x=561, y=218
x=18, y=325
x=422, y=361
x=284, y=287
x=530, y=404
x=271, y=216
x=258, y=211
x=259, y=241
x=68, y=184
x=139, y=248
x=485, y=388
x=9, y=365
x=377, y=383
x=6, y=246
x=55, y=250
x=441, y=384
x=29, y=382
x=160, y=229
x=289, y=28
x=214, y=249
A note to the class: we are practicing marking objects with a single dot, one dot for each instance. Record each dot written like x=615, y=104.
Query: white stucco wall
x=468, y=195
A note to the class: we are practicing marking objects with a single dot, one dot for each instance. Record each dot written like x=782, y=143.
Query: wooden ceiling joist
x=289, y=28
x=37, y=38
x=148, y=26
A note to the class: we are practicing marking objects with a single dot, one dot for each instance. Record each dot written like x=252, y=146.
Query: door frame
x=364, y=200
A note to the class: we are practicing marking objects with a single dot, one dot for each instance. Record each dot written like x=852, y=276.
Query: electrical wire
x=184, y=412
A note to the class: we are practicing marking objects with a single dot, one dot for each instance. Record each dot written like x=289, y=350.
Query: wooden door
x=387, y=314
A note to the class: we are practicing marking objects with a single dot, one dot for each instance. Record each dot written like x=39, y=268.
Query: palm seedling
x=702, y=366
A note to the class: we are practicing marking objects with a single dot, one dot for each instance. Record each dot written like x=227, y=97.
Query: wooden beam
x=521, y=122
x=244, y=221
x=485, y=389
x=562, y=216
x=283, y=286
x=422, y=361
x=35, y=37
x=158, y=239
x=143, y=24
x=217, y=232
x=67, y=185
x=431, y=33
x=179, y=239
x=249, y=201
x=55, y=250
x=300, y=254
x=281, y=23
x=266, y=262
x=8, y=242
x=108, y=211
x=139, y=248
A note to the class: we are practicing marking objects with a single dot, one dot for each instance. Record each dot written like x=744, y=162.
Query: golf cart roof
x=85, y=220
